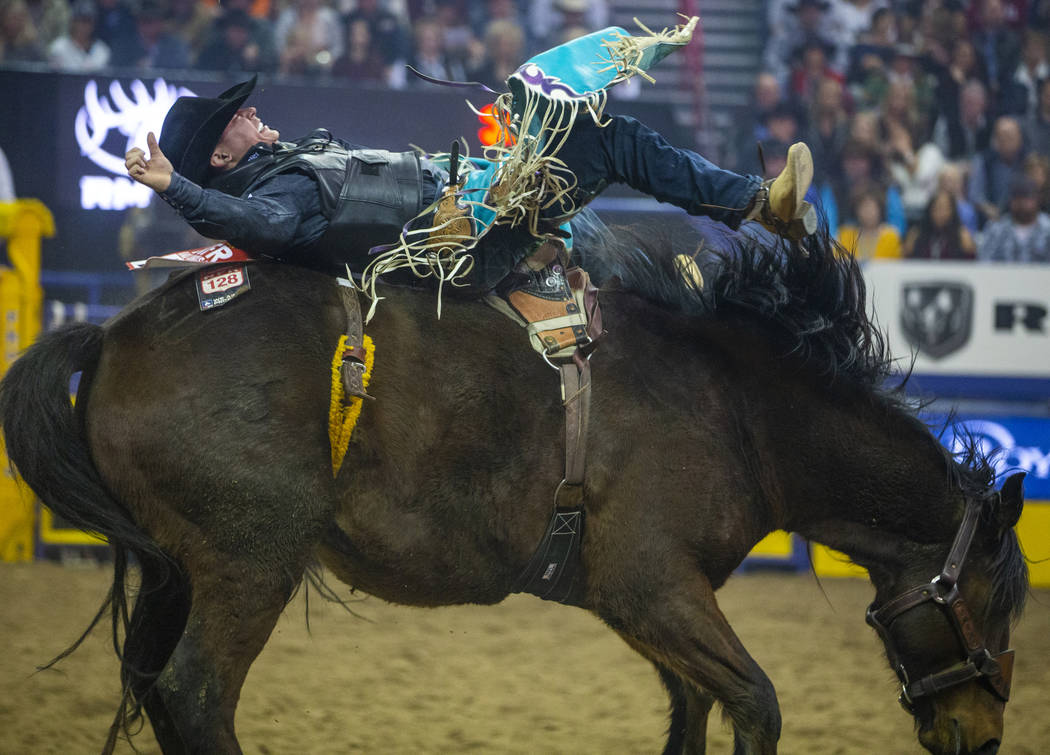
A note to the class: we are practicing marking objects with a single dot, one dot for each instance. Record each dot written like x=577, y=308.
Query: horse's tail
x=46, y=441
x=47, y=444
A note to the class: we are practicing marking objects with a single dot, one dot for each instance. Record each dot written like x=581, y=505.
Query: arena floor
x=522, y=677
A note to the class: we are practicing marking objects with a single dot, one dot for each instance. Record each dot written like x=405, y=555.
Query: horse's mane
x=973, y=471
x=811, y=297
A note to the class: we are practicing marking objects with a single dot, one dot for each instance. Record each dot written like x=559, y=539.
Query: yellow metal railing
x=23, y=224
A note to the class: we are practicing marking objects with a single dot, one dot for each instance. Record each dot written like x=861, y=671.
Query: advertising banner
x=1014, y=444
x=985, y=326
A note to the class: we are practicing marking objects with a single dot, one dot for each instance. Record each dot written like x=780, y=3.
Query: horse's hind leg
x=678, y=626
x=155, y=627
x=687, y=729
x=687, y=733
x=235, y=606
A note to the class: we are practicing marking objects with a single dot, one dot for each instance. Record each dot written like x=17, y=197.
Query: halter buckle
x=945, y=590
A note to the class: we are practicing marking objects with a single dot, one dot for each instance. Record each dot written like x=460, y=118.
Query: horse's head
x=947, y=632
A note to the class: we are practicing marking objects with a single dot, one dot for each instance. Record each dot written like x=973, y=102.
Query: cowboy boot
x=780, y=204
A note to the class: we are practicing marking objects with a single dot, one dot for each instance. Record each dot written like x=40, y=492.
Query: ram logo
x=937, y=317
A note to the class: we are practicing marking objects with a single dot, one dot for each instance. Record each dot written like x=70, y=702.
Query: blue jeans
x=624, y=151
x=629, y=152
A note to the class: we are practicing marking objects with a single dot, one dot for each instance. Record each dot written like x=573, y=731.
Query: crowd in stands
x=929, y=122
x=356, y=40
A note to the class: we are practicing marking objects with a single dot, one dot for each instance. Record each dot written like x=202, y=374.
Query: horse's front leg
x=678, y=626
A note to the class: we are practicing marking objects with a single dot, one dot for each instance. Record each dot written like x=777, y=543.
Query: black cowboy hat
x=194, y=125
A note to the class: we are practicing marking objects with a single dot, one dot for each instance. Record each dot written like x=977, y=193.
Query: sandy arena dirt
x=522, y=677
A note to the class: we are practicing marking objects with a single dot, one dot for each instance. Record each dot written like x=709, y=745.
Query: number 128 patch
x=218, y=285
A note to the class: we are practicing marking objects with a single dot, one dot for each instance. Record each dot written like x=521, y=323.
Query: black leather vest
x=367, y=195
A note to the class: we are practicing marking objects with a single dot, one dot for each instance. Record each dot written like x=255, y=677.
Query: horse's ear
x=1011, y=499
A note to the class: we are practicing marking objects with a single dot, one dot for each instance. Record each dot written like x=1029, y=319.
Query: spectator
x=938, y=32
x=869, y=236
x=19, y=41
x=116, y=23
x=1036, y=168
x=996, y=43
x=869, y=76
x=462, y=48
x=361, y=62
x=309, y=37
x=940, y=234
x=811, y=65
x=239, y=43
x=952, y=77
x=900, y=108
x=864, y=129
x=994, y=170
x=962, y=128
x=908, y=68
x=1022, y=235
x=80, y=49
x=752, y=120
x=428, y=53
x=851, y=20
x=389, y=36
x=1021, y=93
x=484, y=12
x=193, y=21
x=953, y=181
x=549, y=19
x=262, y=35
x=1039, y=16
x=50, y=19
x=805, y=20
x=881, y=32
x=827, y=130
x=783, y=126
x=151, y=46
x=915, y=169
x=1037, y=123
x=964, y=64
x=958, y=23
x=504, y=45
x=863, y=166
x=908, y=14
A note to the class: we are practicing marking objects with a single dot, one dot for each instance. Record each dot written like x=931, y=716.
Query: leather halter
x=943, y=591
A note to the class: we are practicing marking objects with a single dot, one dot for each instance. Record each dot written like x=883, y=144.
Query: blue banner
x=1020, y=444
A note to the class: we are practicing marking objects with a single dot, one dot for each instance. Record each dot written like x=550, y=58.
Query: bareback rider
x=322, y=202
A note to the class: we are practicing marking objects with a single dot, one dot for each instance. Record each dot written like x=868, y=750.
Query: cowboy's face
x=243, y=132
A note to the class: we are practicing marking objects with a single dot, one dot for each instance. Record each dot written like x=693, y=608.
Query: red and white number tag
x=213, y=283
x=218, y=285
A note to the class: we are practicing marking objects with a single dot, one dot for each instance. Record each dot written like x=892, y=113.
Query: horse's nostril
x=991, y=747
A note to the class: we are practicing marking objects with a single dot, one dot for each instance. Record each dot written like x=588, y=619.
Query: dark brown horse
x=199, y=447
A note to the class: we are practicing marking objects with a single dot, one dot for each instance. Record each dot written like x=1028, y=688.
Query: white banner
x=964, y=318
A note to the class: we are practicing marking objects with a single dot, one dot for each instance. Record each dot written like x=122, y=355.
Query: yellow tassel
x=342, y=418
